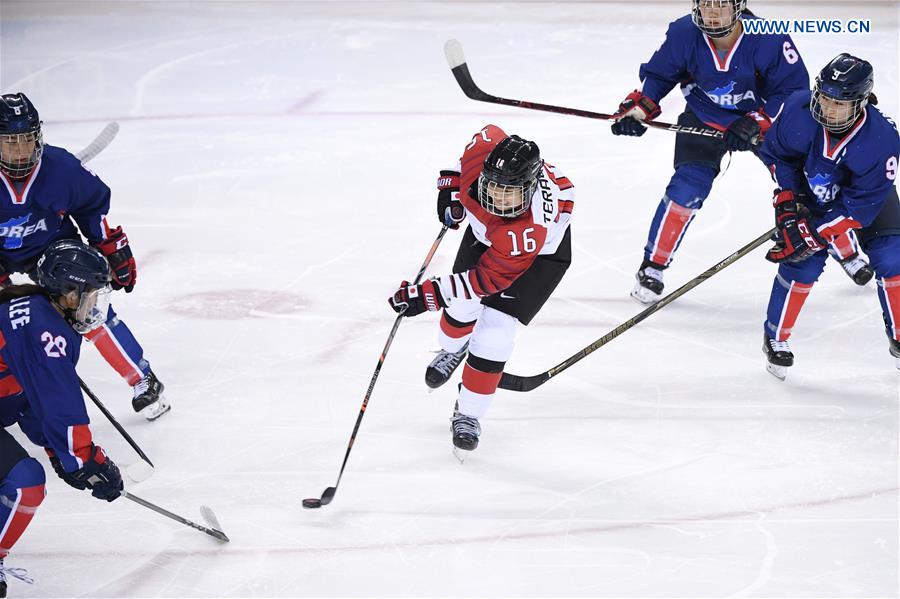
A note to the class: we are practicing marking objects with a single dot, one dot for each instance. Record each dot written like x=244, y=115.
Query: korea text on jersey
x=796, y=26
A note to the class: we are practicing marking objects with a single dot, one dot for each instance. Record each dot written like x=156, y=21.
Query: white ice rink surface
x=275, y=173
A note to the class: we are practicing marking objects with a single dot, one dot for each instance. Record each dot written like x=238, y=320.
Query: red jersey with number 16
x=513, y=243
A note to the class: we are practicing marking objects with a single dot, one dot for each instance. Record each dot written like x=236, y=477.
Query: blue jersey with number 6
x=757, y=74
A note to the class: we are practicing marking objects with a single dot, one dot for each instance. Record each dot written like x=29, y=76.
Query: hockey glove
x=634, y=109
x=450, y=210
x=99, y=474
x=796, y=238
x=746, y=132
x=412, y=300
x=121, y=261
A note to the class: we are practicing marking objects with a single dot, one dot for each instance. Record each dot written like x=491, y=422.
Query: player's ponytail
x=17, y=291
x=873, y=99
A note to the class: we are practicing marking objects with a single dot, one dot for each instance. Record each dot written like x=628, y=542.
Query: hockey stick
x=457, y=61
x=99, y=144
x=514, y=382
x=139, y=471
x=328, y=493
x=205, y=511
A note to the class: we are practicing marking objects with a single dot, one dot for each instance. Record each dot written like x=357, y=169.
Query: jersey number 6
x=790, y=54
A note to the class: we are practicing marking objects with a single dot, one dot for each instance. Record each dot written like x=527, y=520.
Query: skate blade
x=644, y=295
x=779, y=372
x=460, y=455
x=156, y=409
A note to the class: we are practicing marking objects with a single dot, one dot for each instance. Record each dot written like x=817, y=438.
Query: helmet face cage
x=20, y=153
x=509, y=177
x=504, y=200
x=737, y=7
x=21, y=139
x=840, y=115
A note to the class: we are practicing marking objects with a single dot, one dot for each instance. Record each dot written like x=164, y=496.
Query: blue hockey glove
x=99, y=474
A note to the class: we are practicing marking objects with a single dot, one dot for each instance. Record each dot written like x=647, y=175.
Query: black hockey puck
x=312, y=502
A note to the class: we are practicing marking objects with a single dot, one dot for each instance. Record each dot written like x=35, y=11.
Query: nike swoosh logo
x=504, y=296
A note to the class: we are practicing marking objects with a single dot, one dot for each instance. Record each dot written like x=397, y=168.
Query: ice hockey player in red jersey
x=513, y=254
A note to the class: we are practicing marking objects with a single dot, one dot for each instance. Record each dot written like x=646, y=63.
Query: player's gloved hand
x=99, y=474
x=121, y=261
x=450, y=210
x=633, y=110
x=747, y=132
x=412, y=300
x=796, y=238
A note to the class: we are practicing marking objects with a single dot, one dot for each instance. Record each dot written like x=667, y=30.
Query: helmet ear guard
x=509, y=177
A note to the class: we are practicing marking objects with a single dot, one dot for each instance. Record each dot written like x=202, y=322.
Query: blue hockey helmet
x=718, y=27
x=21, y=141
x=846, y=84
x=81, y=273
x=509, y=177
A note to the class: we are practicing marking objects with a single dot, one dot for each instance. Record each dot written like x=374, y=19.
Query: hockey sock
x=453, y=334
x=479, y=383
x=667, y=230
x=120, y=349
x=889, y=294
x=785, y=303
x=21, y=492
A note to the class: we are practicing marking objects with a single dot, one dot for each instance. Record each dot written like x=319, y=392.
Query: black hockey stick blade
x=523, y=384
x=514, y=382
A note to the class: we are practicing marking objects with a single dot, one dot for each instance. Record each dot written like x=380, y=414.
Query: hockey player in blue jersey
x=49, y=192
x=732, y=82
x=834, y=157
x=40, y=339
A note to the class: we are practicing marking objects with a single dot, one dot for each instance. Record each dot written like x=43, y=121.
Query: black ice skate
x=442, y=367
x=778, y=357
x=649, y=287
x=466, y=431
x=895, y=351
x=857, y=269
x=148, y=400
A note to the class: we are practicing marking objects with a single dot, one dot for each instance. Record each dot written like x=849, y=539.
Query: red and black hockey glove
x=412, y=300
x=634, y=109
x=747, y=132
x=99, y=474
x=797, y=238
x=450, y=210
x=121, y=261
